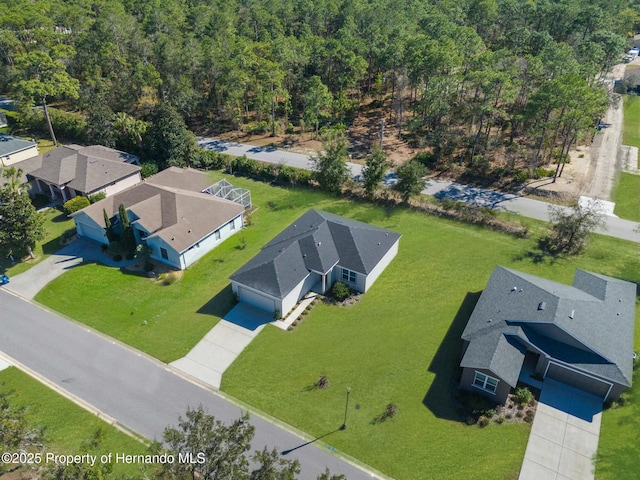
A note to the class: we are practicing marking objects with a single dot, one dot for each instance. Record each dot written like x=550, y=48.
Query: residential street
x=143, y=394
x=615, y=227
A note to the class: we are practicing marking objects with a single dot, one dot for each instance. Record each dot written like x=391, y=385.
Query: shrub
x=75, y=204
x=519, y=414
x=322, y=382
x=97, y=197
x=529, y=416
x=390, y=411
x=169, y=278
x=543, y=172
x=521, y=176
x=340, y=291
x=500, y=420
x=523, y=396
x=508, y=416
x=117, y=258
x=277, y=315
x=148, y=169
x=483, y=422
x=490, y=412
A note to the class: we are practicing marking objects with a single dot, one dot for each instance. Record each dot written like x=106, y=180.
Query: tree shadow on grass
x=219, y=305
x=61, y=217
x=445, y=363
x=542, y=254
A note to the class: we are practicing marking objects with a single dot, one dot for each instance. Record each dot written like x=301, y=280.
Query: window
x=164, y=254
x=485, y=382
x=233, y=224
x=348, y=275
x=216, y=234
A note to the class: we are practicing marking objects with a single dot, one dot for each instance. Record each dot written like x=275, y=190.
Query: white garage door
x=257, y=300
x=90, y=231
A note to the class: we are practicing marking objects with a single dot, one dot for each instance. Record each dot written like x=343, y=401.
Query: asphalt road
x=615, y=227
x=143, y=394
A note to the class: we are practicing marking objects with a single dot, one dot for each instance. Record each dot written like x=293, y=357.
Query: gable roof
x=316, y=241
x=85, y=169
x=178, y=216
x=588, y=324
x=10, y=145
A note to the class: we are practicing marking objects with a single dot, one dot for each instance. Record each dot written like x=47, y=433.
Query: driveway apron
x=564, y=436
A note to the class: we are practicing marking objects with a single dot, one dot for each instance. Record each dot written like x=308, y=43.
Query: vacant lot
x=68, y=429
x=627, y=197
x=400, y=344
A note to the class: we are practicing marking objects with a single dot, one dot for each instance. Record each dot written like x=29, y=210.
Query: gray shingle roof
x=316, y=241
x=85, y=169
x=589, y=324
x=10, y=145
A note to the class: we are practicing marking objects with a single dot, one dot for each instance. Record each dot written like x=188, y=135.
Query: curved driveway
x=143, y=394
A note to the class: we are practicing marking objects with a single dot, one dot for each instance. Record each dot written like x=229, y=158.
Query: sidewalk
x=29, y=283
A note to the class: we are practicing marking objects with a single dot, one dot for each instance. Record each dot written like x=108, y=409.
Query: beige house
x=170, y=213
x=72, y=170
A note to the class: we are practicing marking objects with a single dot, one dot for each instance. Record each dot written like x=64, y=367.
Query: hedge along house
x=311, y=254
x=525, y=329
x=69, y=171
x=170, y=214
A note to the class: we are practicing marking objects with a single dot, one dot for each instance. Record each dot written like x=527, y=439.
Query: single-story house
x=71, y=170
x=14, y=150
x=312, y=253
x=525, y=329
x=170, y=214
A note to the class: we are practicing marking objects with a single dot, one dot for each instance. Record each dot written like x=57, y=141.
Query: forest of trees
x=468, y=82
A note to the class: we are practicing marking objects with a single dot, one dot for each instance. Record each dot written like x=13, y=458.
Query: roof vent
x=319, y=243
x=295, y=226
x=490, y=320
x=542, y=305
x=189, y=231
x=514, y=289
x=617, y=314
x=572, y=314
x=378, y=243
x=173, y=238
x=520, y=290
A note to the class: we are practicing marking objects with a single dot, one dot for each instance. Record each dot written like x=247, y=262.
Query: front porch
x=527, y=372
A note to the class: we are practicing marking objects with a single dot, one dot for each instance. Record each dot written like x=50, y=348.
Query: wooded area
x=498, y=86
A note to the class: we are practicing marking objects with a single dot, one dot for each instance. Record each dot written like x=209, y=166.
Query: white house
x=14, y=150
x=312, y=253
x=179, y=224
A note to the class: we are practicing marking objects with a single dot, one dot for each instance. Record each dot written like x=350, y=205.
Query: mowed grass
x=177, y=316
x=67, y=427
x=627, y=197
x=55, y=224
x=631, y=130
x=400, y=344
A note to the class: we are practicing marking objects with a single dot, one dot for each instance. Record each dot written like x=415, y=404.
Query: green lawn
x=400, y=344
x=66, y=425
x=179, y=315
x=55, y=225
x=627, y=197
x=631, y=131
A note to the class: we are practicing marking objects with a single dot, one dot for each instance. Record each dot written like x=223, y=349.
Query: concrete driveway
x=209, y=359
x=29, y=283
x=564, y=436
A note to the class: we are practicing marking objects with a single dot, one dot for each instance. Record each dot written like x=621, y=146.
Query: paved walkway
x=219, y=348
x=29, y=283
x=4, y=364
x=564, y=436
x=209, y=359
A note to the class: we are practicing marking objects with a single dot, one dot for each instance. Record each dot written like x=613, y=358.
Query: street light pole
x=346, y=409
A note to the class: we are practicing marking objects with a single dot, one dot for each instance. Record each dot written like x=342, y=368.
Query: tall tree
x=42, y=78
x=20, y=225
x=330, y=165
x=375, y=170
x=570, y=227
x=223, y=447
x=410, y=181
x=167, y=141
x=317, y=100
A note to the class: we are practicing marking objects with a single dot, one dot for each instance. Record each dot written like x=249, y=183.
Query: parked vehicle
x=4, y=279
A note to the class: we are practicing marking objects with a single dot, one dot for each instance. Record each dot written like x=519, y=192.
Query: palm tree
x=13, y=181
